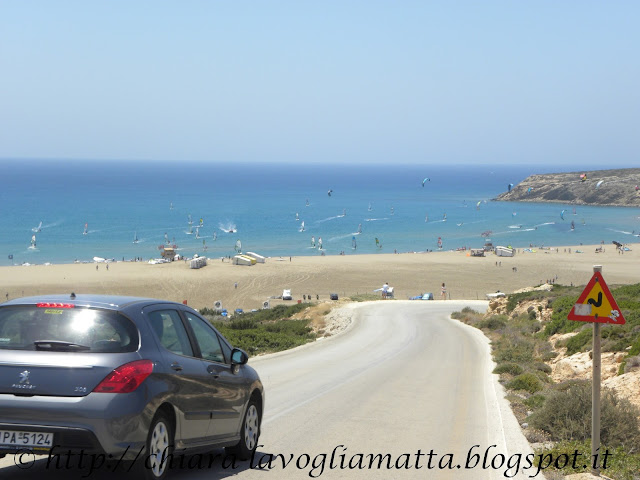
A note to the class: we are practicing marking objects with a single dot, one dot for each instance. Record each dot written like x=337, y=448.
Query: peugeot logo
x=24, y=378
x=23, y=381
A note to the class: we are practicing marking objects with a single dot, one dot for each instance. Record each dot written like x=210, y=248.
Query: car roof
x=111, y=302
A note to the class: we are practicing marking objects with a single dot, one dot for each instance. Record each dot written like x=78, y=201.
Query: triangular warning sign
x=596, y=304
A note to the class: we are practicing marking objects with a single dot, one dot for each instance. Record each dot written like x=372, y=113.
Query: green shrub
x=535, y=401
x=513, y=348
x=495, y=322
x=579, y=342
x=526, y=381
x=566, y=415
x=511, y=368
x=542, y=367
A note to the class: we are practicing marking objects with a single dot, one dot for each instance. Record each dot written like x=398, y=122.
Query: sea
x=115, y=210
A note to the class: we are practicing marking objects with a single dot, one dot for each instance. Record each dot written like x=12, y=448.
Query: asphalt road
x=404, y=393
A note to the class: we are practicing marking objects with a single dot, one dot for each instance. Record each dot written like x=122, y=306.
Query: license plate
x=9, y=438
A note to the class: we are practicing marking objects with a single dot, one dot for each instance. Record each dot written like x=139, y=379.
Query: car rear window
x=66, y=329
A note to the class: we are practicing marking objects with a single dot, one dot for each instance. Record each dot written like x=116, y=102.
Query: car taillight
x=126, y=378
x=55, y=305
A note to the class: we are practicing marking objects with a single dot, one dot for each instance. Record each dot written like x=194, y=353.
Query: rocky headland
x=601, y=187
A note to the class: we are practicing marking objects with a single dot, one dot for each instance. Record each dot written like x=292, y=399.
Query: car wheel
x=159, y=447
x=249, y=433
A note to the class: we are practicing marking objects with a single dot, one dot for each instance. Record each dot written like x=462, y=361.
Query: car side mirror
x=239, y=357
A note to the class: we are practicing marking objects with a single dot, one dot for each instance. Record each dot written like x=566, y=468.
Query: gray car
x=122, y=377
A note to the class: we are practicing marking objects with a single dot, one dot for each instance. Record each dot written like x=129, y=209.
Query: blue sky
x=333, y=81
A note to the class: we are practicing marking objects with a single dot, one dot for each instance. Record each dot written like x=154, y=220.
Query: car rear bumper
x=97, y=423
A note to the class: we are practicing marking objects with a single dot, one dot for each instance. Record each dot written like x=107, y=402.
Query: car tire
x=249, y=433
x=159, y=446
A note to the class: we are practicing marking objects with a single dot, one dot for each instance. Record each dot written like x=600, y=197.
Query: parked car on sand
x=286, y=295
x=117, y=376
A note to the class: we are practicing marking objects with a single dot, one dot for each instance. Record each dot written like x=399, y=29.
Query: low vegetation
x=559, y=414
x=264, y=331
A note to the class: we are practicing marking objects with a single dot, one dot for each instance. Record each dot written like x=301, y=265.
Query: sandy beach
x=465, y=277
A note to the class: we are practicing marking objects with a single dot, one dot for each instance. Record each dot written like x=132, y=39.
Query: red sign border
x=597, y=278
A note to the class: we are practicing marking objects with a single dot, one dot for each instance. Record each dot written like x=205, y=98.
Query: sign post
x=596, y=304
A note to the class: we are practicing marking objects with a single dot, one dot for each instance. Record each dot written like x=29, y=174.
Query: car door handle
x=176, y=366
x=213, y=371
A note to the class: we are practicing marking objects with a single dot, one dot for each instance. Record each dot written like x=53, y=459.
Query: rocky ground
x=618, y=188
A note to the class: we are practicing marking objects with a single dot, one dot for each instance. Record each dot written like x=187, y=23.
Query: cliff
x=618, y=188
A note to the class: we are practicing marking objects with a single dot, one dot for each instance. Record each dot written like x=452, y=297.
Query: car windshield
x=66, y=329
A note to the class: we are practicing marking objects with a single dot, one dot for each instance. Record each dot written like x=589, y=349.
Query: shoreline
x=466, y=277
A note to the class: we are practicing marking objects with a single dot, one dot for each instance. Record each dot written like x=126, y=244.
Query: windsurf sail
x=573, y=225
x=378, y=244
x=33, y=241
x=171, y=206
x=313, y=241
x=197, y=232
x=86, y=229
x=354, y=245
x=215, y=236
x=391, y=210
x=135, y=237
x=201, y=222
x=329, y=192
x=302, y=226
x=370, y=202
x=297, y=217
x=440, y=242
x=478, y=205
x=426, y=218
x=307, y=204
x=359, y=228
x=190, y=220
x=238, y=246
x=204, y=244
x=320, y=243
x=444, y=217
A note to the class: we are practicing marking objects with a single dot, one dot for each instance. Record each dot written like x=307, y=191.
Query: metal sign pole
x=595, y=395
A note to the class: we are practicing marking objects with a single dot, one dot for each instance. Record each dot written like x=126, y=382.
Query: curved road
x=404, y=393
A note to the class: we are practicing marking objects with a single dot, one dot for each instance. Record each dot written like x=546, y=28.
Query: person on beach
x=443, y=292
x=385, y=289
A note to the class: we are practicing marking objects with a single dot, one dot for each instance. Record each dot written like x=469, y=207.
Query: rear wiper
x=59, y=345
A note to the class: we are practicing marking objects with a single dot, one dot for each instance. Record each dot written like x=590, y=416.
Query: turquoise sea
x=120, y=200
